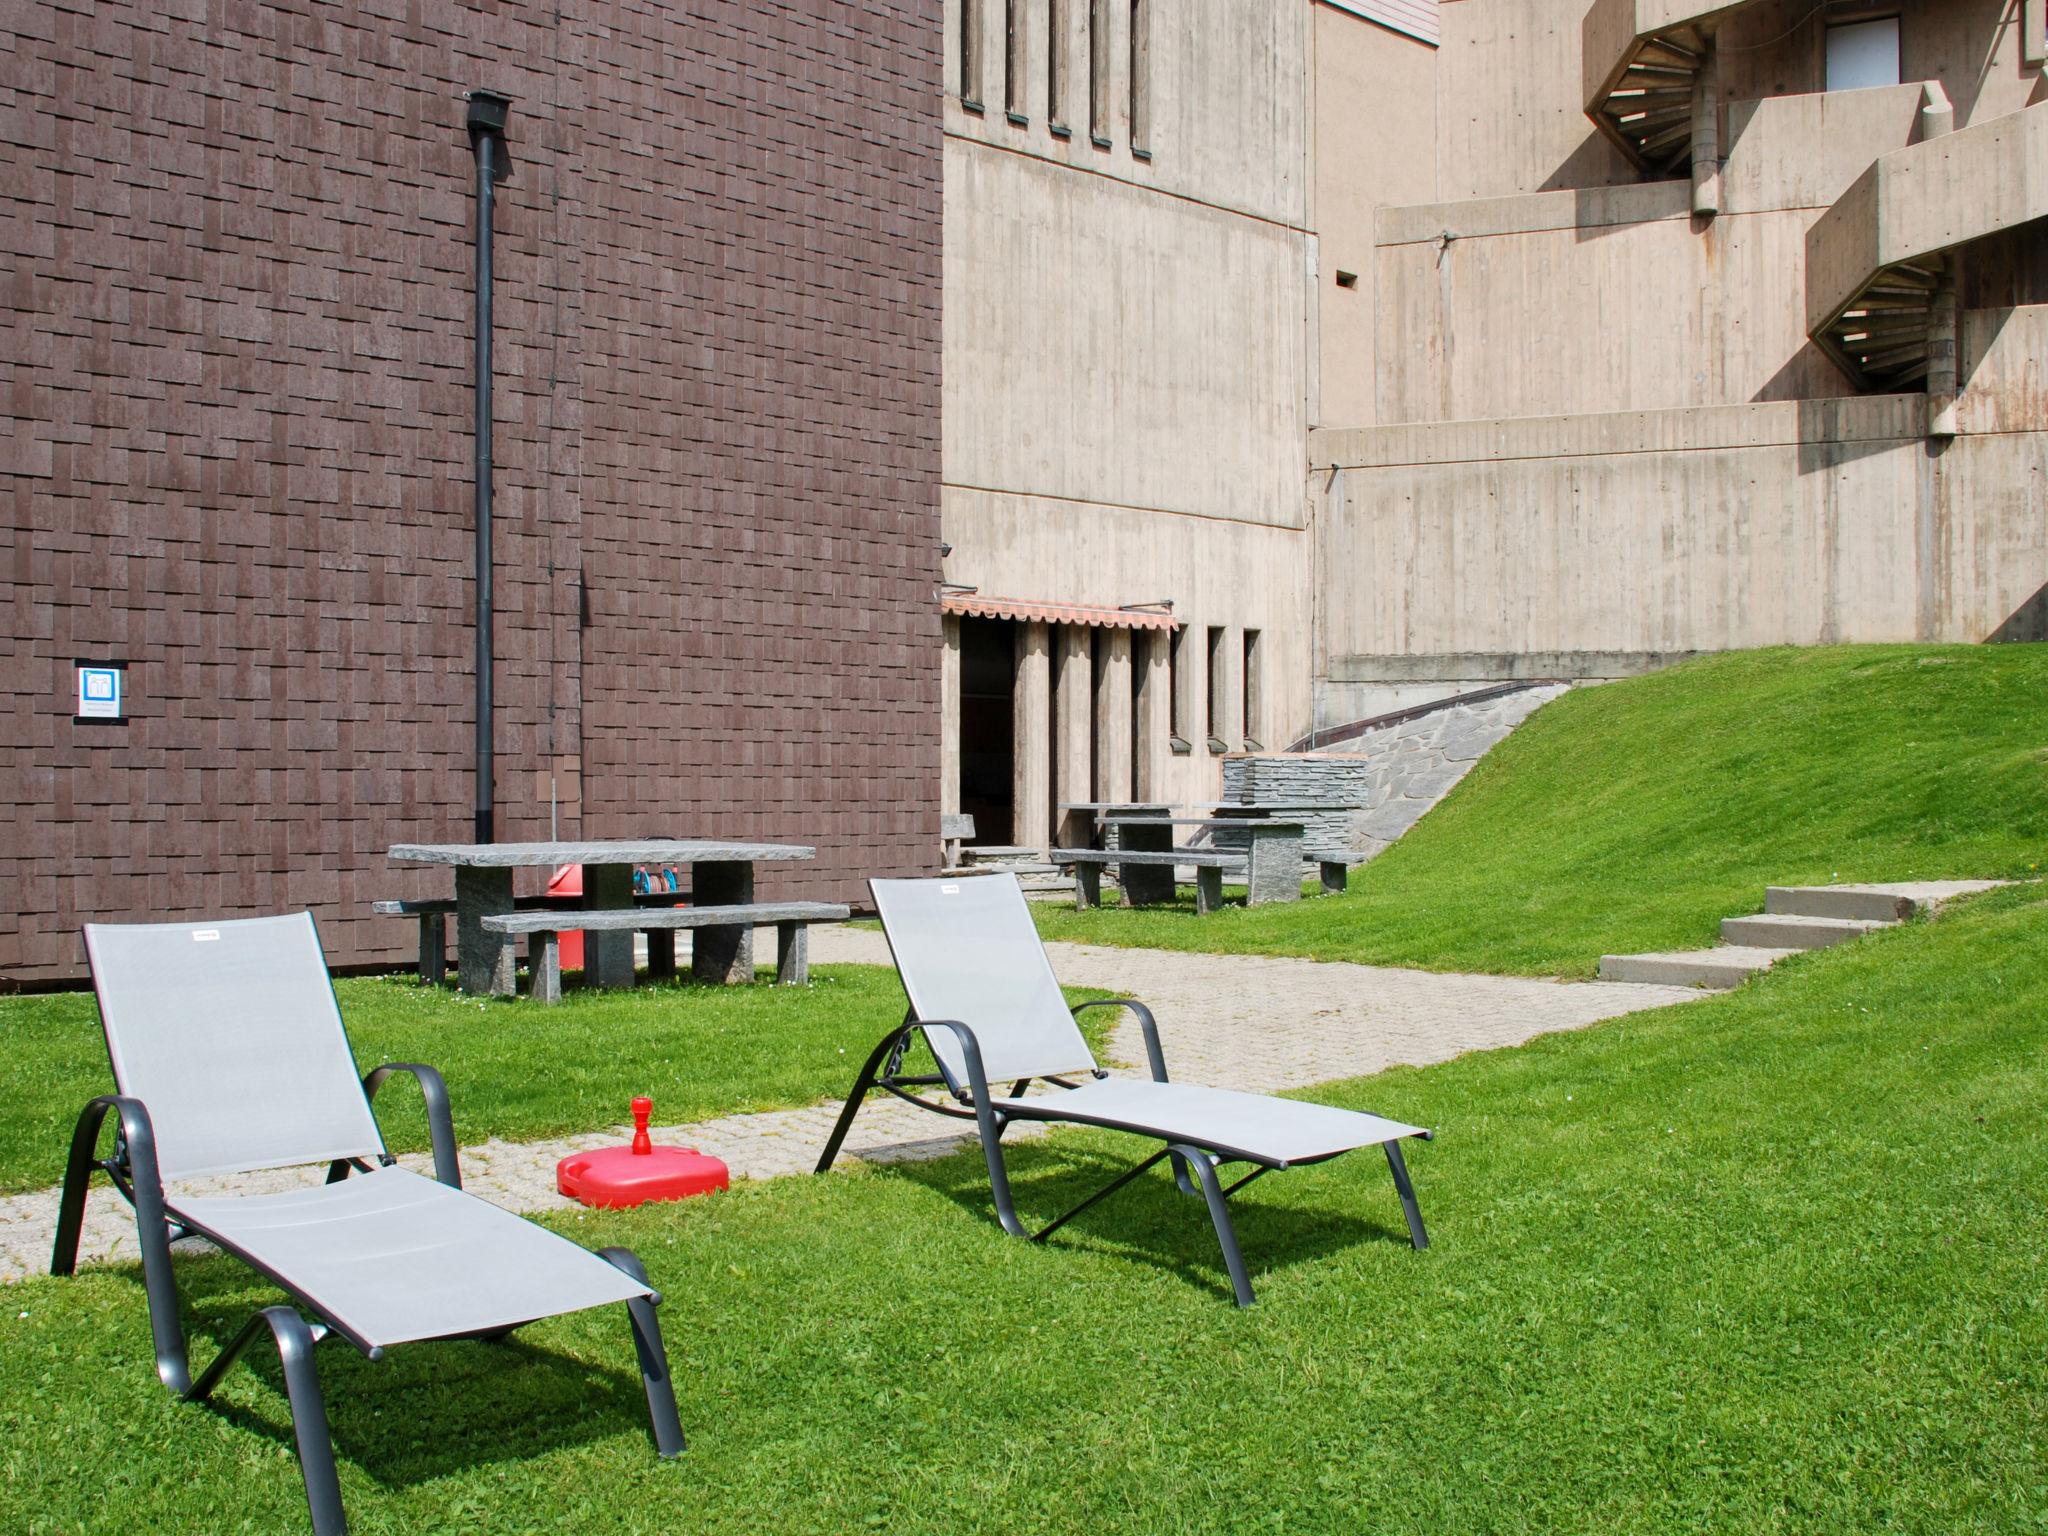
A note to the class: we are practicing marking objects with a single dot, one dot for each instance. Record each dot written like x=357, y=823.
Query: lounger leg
x=1087, y=886
x=1406, y=1190
x=855, y=1099
x=433, y=948
x=1208, y=888
x=661, y=954
x=661, y=1388
x=793, y=954
x=544, y=960
x=1219, y=1214
x=152, y=1227
x=295, y=1343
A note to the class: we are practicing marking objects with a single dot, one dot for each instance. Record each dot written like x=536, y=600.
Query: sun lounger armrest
x=440, y=1123
x=970, y=1050
x=1154, y=1057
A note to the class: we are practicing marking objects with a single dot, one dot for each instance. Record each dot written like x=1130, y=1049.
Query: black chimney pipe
x=487, y=111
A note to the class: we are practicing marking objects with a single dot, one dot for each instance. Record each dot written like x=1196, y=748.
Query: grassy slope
x=1637, y=815
x=1769, y=1262
x=513, y=1070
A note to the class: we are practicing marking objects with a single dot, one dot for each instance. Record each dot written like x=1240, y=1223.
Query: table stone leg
x=661, y=954
x=487, y=963
x=1272, y=867
x=1143, y=883
x=724, y=955
x=608, y=957
x=793, y=954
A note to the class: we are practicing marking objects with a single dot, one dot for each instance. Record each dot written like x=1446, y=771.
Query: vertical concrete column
x=1113, y=718
x=1706, y=129
x=1073, y=741
x=1031, y=739
x=949, y=718
x=1154, y=724
x=1942, y=380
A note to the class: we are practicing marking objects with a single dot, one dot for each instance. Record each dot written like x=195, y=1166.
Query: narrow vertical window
x=1219, y=689
x=1141, y=79
x=1177, y=682
x=970, y=54
x=1013, y=61
x=1254, y=692
x=1056, y=68
x=1098, y=73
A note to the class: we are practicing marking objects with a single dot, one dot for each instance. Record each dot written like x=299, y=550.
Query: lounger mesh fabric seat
x=229, y=1056
x=984, y=996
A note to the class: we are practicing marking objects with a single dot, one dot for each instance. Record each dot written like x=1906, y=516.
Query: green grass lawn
x=513, y=1070
x=1637, y=815
x=1773, y=1261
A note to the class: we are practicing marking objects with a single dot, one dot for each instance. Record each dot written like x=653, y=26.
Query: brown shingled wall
x=237, y=381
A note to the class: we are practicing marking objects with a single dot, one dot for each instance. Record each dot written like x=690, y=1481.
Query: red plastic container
x=568, y=881
x=618, y=1178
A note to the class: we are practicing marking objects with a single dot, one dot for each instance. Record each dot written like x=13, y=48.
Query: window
x=1254, y=693
x=1098, y=73
x=1177, y=681
x=1141, y=79
x=1013, y=61
x=970, y=54
x=1219, y=688
x=1862, y=54
x=1056, y=69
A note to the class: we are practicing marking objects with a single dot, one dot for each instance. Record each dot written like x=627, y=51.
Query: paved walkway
x=1228, y=1021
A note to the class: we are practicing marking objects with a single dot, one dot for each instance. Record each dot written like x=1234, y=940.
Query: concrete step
x=1729, y=965
x=1783, y=931
x=1869, y=903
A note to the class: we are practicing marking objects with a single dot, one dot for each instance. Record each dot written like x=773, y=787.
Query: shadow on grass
x=1148, y=1220
x=425, y=1410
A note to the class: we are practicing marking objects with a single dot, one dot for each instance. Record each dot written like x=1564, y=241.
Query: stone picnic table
x=1272, y=854
x=722, y=874
x=1090, y=815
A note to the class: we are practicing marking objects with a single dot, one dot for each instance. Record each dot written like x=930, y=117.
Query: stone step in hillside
x=1782, y=931
x=1869, y=903
x=1728, y=965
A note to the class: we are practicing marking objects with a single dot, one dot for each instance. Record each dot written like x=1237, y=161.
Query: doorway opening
x=988, y=650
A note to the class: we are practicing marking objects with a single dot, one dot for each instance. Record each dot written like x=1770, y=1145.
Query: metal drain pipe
x=487, y=111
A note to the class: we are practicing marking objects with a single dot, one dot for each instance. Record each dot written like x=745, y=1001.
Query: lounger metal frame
x=132, y=1167
x=884, y=1070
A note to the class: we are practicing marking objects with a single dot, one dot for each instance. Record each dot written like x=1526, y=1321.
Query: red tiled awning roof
x=1041, y=612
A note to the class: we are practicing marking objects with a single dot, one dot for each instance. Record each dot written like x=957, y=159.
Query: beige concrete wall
x=1659, y=533
x=1230, y=574
x=1229, y=116
x=1106, y=344
x=1375, y=146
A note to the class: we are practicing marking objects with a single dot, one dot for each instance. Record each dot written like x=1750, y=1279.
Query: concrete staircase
x=1795, y=918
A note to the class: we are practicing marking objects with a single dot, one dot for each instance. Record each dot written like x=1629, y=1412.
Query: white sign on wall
x=101, y=691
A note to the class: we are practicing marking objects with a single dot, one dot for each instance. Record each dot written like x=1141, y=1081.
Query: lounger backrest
x=966, y=950
x=229, y=1035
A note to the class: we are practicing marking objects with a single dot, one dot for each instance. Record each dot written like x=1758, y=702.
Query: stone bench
x=792, y=921
x=1208, y=866
x=433, y=920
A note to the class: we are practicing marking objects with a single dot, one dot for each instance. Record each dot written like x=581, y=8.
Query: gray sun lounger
x=229, y=1056
x=983, y=993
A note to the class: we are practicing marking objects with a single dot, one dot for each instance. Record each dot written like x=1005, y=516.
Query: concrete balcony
x=1880, y=296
